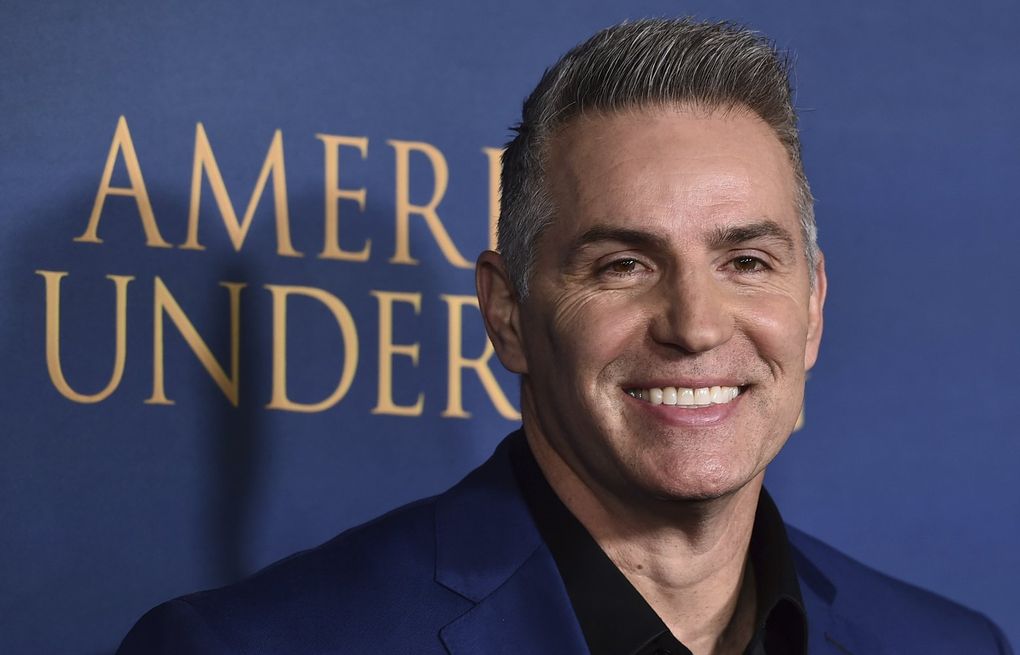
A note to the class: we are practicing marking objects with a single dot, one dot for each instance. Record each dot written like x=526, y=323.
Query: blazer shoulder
x=890, y=608
x=370, y=586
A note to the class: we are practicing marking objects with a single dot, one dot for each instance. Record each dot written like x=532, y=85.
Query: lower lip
x=700, y=415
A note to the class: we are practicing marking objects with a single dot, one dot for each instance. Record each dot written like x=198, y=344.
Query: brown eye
x=623, y=266
x=748, y=264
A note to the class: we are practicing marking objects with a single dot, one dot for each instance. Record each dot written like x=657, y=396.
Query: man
x=659, y=289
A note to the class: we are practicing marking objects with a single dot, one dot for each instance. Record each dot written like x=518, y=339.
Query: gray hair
x=647, y=63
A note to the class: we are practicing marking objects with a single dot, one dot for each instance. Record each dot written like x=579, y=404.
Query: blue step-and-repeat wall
x=236, y=243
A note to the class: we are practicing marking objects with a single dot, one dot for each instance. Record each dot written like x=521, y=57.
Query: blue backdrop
x=356, y=140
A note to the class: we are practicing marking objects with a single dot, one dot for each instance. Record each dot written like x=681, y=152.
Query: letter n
x=164, y=303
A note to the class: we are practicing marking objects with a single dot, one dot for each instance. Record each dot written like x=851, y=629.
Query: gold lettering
x=457, y=363
x=273, y=164
x=388, y=349
x=122, y=143
x=494, y=156
x=427, y=211
x=334, y=194
x=53, y=365
x=279, y=399
x=164, y=303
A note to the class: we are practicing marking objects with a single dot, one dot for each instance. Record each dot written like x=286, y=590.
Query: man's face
x=675, y=261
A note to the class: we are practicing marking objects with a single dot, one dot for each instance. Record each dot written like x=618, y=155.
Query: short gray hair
x=646, y=63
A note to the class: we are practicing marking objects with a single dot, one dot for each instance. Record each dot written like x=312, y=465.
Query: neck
x=688, y=559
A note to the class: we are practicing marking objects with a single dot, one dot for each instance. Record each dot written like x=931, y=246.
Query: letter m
x=205, y=162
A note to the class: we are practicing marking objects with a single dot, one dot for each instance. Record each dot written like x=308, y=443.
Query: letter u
x=56, y=372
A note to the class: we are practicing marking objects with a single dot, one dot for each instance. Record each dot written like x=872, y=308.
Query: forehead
x=677, y=169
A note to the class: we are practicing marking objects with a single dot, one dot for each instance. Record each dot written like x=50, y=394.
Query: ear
x=498, y=303
x=816, y=303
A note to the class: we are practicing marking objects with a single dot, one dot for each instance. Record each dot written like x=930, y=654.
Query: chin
x=695, y=493
x=698, y=484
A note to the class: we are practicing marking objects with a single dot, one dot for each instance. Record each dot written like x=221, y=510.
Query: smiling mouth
x=685, y=397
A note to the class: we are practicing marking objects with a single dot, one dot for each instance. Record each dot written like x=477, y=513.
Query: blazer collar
x=484, y=532
x=829, y=632
x=489, y=551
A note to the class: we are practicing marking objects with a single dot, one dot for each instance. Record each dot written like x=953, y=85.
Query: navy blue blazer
x=466, y=572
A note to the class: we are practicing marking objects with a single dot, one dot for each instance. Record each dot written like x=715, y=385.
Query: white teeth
x=685, y=397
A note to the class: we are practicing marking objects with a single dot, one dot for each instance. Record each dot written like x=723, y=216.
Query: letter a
x=122, y=143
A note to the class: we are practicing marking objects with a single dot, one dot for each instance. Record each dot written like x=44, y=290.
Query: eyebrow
x=733, y=235
x=600, y=233
x=720, y=238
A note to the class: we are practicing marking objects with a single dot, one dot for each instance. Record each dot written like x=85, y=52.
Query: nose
x=692, y=314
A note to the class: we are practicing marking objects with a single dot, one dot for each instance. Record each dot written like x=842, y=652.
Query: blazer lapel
x=829, y=633
x=489, y=551
x=530, y=613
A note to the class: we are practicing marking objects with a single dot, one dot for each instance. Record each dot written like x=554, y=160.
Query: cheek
x=778, y=328
x=593, y=330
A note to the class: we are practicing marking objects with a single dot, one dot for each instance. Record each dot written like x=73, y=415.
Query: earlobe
x=816, y=305
x=498, y=303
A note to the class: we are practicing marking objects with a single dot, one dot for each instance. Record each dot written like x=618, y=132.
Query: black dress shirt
x=615, y=619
